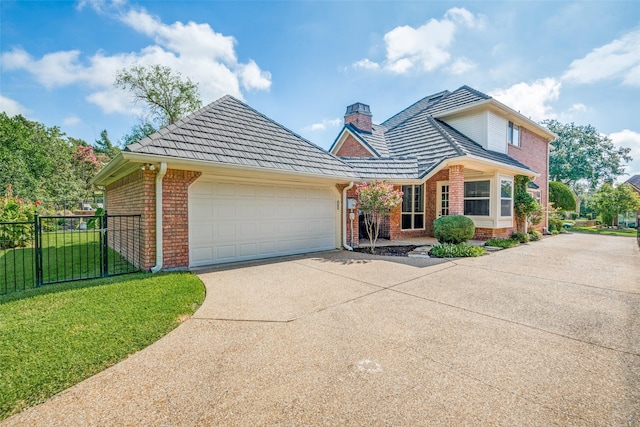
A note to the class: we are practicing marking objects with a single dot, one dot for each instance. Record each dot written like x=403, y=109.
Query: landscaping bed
x=387, y=250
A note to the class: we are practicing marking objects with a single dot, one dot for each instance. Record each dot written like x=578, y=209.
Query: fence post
x=105, y=245
x=37, y=237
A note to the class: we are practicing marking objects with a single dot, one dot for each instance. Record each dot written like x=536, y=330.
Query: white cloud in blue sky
x=302, y=63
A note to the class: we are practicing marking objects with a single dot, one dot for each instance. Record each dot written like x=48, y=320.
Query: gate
x=53, y=249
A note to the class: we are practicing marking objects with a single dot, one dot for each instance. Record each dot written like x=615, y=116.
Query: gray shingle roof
x=415, y=133
x=229, y=131
x=384, y=167
x=635, y=181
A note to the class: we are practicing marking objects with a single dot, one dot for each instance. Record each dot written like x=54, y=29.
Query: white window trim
x=424, y=205
x=510, y=127
x=439, y=197
x=500, y=198
x=480, y=217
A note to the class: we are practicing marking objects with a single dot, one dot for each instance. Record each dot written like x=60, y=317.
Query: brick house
x=226, y=183
x=450, y=153
x=634, y=182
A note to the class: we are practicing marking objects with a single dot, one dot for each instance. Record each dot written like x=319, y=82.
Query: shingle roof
x=229, y=131
x=415, y=133
x=635, y=181
x=384, y=168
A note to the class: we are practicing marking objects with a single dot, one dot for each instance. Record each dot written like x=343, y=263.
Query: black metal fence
x=53, y=249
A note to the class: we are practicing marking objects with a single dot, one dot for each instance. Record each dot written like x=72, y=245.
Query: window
x=444, y=200
x=412, y=207
x=536, y=195
x=477, y=195
x=513, y=134
x=506, y=197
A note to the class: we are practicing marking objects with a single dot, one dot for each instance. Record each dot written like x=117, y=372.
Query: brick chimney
x=359, y=115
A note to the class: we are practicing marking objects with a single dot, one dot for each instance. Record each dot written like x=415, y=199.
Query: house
x=634, y=182
x=226, y=183
x=450, y=153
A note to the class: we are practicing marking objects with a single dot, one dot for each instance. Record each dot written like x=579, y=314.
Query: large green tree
x=104, y=147
x=611, y=201
x=37, y=160
x=561, y=196
x=139, y=131
x=166, y=94
x=581, y=154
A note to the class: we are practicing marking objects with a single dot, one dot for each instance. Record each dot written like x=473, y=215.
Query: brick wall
x=135, y=194
x=352, y=148
x=350, y=194
x=361, y=121
x=490, y=233
x=456, y=190
x=432, y=203
x=175, y=220
x=533, y=153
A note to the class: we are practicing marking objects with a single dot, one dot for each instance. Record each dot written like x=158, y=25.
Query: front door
x=442, y=201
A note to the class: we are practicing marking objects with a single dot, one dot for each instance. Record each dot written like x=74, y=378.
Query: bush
x=555, y=232
x=453, y=229
x=520, y=237
x=534, y=235
x=501, y=243
x=448, y=250
x=15, y=209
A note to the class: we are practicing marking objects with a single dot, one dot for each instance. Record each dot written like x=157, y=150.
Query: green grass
x=55, y=336
x=70, y=255
x=609, y=231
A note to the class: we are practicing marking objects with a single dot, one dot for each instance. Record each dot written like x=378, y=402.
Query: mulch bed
x=387, y=250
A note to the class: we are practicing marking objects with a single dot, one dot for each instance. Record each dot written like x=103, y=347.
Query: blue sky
x=302, y=63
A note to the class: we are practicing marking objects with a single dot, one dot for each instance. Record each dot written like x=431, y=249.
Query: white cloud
x=366, y=64
x=531, y=100
x=11, y=107
x=630, y=139
x=461, y=66
x=324, y=125
x=619, y=59
x=425, y=48
x=578, y=108
x=194, y=50
x=71, y=121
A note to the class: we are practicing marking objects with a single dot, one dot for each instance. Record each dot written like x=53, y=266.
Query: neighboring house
x=634, y=181
x=234, y=185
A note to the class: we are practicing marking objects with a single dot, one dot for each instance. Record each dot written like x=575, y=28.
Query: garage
x=233, y=221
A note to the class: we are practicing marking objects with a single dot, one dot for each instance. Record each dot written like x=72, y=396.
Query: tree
x=376, y=199
x=166, y=94
x=37, y=160
x=612, y=201
x=582, y=154
x=105, y=147
x=139, y=131
x=561, y=196
x=523, y=203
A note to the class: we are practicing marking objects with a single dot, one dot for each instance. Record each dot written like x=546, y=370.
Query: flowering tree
x=376, y=199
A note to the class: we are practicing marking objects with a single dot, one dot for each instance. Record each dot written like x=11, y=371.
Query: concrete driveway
x=544, y=334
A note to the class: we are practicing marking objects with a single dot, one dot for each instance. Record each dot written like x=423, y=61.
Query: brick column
x=456, y=190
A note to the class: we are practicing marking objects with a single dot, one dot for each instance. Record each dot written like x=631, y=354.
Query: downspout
x=344, y=216
x=159, y=176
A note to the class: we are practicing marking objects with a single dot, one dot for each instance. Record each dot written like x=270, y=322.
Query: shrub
x=555, y=232
x=453, y=229
x=501, y=243
x=519, y=236
x=448, y=250
x=534, y=235
x=14, y=209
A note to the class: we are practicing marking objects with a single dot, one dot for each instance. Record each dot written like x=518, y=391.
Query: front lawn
x=629, y=232
x=55, y=336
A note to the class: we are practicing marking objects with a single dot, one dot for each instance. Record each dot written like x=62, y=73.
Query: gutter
x=344, y=216
x=159, y=177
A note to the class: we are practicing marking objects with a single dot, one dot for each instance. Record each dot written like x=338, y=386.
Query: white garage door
x=231, y=221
